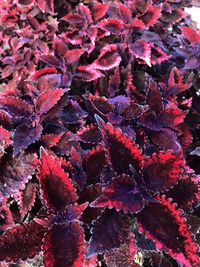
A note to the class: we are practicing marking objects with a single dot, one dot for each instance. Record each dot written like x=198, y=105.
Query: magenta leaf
x=114, y=26
x=142, y=50
x=108, y=58
x=73, y=55
x=87, y=73
x=99, y=10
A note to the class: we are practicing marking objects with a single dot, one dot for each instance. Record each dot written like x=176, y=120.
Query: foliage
x=99, y=133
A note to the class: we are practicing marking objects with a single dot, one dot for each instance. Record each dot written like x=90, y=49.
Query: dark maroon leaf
x=122, y=150
x=165, y=225
x=27, y=198
x=162, y=170
x=21, y=242
x=94, y=161
x=64, y=245
x=57, y=190
x=124, y=255
x=110, y=230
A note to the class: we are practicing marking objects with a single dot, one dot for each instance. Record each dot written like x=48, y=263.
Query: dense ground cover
x=99, y=133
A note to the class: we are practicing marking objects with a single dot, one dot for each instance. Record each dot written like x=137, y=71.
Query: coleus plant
x=98, y=111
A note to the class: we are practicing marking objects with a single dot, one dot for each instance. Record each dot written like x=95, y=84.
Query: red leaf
x=99, y=10
x=87, y=73
x=25, y=135
x=114, y=26
x=7, y=71
x=27, y=199
x=108, y=59
x=56, y=188
x=162, y=170
x=5, y=119
x=166, y=139
x=94, y=161
x=71, y=56
x=21, y=242
x=42, y=72
x=59, y=46
x=122, y=150
x=89, y=134
x=136, y=25
x=172, y=16
x=110, y=224
x=48, y=99
x=133, y=111
x=192, y=35
x=164, y=223
x=172, y=116
x=151, y=15
x=64, y=245
x=51, y=140
x=74, y=19
x=122, y=194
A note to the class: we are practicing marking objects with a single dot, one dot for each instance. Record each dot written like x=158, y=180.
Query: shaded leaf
x=110, y=230
x=21, y=242
x=64, y=245
x=25, y=135
x=16, y=172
